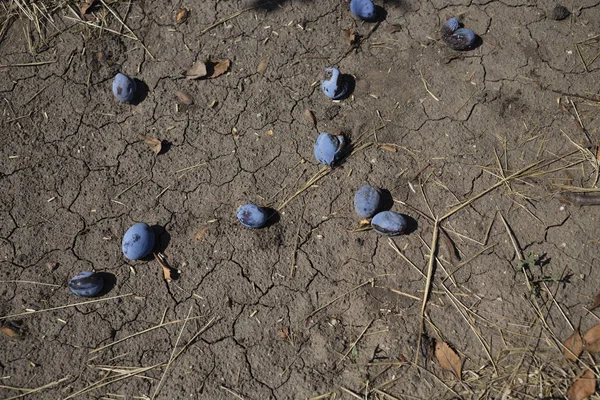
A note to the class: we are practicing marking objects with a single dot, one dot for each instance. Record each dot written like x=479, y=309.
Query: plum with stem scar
x=333, y=84
x=252, y=216
x=123, y=88
x=363, y=9
x=328, y=148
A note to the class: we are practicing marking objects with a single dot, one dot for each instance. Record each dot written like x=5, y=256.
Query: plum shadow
x=163, y=238
x=273, y=216
x=387, y=201
x=110, y=280
x=411, y=224
x=141, y=92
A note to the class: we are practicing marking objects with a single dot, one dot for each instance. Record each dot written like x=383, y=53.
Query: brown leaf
x=388, y=148
x=448, y=359
x=350, y=37
x=393, y=28
x=184, y=97
x=596, y=299
x=583, y=387
x=201, y=233
x=573, y=346
x=311, y=117
x=182, y=15
x=169, y=273
x=85, y=7
x=154, y=143
x=262, y=66
x=591, y=339
x=198, y=70
x=217, y=67
x=284, y=333
x=10, y=332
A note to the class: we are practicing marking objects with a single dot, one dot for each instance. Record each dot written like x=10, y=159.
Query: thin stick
x=434, y=239
x=129, y=188
x=190, y=168
x=292, y=363
x=158, y=387
x=232, y=392
x=161, y=325
x=486, y=191
x=26, y=313
x=351, y=393
x=355, y=342
x=371, y=281
x=31, y=64
x=32, y=282
x=38, y=389
x=125, y=25
x=426, y=88
x=219, y=22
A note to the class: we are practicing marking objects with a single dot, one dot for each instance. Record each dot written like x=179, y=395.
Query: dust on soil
x=69, y=151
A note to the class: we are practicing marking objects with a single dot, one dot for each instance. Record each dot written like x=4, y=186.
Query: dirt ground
x=309, y=307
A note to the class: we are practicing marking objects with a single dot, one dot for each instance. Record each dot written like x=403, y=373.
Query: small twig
x=370, y=281
x=430, y=264
x=32, y=282
x=427, y=88
x=27, y=313
x=232, y=392
x=355, y=342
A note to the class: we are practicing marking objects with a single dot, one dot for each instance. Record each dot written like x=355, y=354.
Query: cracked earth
x=75, y=175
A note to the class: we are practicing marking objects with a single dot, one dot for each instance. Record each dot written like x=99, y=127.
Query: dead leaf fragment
x=284, y=333
x=52, y=266
x=184, y=97
x=448, y=359
x=583, y=387
x=201, y=233
x=393, y=28
x=388, y=148
x=351, y=38
x=169, y=273
x=85, y=7
x=198, y=70
x=311, y=117
x=597, y=298
x=217, y=67
x=10, y=332
x=573, y=346
x=262, y=66
x=591, y=339
x=182, y=15
x=154, y=143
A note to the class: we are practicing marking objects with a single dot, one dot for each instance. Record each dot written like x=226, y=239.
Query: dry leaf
x=262, y=66
x=184, y=97
x=198, y=70
x=583, y=387
x=218, y=67
x=596, y=299
x=393, y=28
x=52, y=266
x=201, y=233
x=350, y=37
x=573, y=346
x=85, y=7
x=448, y=359
x=591, y=339
x=388, y=148
x=311, y=117
x=182, y=15
x=154, y=143
x=284, y=333
x=168, y=273
x=10, y=332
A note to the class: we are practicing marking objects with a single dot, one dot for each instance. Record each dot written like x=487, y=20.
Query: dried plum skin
x=363, y=9
x=560, y=12
x=252, y=216
x=333, y=83
x=457, y=38
x=389, y=223
x=328, y=148
x=461, y=39
x=86, y=284
x=123, y=88
x=367, y=201
x=138, y=241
